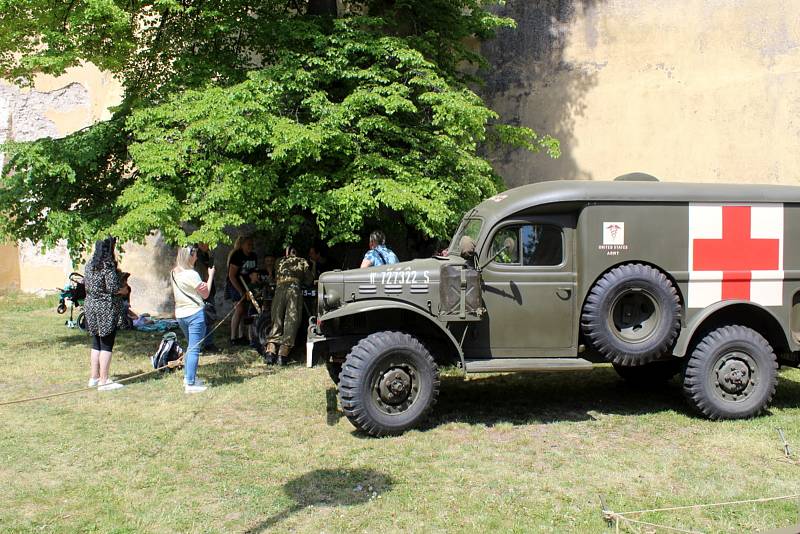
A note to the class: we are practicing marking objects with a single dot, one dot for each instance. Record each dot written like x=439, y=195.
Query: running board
x=510, y=365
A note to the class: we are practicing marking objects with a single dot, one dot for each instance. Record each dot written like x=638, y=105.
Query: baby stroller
x=73, y=293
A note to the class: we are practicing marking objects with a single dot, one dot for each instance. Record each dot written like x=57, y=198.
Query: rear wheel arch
x=742, y=313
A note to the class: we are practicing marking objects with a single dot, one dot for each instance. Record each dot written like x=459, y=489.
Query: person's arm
x=112, y=281
x=202, y=288
x=366, y=262
x=210, y=281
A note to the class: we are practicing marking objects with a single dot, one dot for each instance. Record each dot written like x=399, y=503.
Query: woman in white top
x=189, y=291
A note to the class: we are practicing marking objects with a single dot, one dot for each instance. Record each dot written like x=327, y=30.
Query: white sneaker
x=93, y=382
x=109, y=386
x=195, y=388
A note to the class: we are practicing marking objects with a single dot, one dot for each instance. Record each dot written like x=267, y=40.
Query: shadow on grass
x=328, y=487
x=548, y=398
x=529, y=399
x=787, y=395
x=332, y=405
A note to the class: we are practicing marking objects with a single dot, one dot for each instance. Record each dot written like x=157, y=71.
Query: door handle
x=564, y=293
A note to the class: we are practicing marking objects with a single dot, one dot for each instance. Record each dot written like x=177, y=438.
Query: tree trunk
x=322, y=7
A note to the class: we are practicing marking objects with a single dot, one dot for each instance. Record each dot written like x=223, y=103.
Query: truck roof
x=579, y=191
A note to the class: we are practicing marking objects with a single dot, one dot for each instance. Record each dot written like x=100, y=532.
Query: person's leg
x=196, y=325
x=106, y=347
x=184, y=326
x=105, y=365
x=293, y=316
x=94, y=361
x=236, y=319
x=278, y=308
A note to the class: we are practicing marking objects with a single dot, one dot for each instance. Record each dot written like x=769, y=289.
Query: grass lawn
x=268, y=450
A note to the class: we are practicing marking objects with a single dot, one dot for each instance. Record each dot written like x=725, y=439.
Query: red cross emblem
x=737, y=254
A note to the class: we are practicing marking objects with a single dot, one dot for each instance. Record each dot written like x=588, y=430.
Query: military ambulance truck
x=656, y=278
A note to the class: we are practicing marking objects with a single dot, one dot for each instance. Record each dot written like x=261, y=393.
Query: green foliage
x=267, y=116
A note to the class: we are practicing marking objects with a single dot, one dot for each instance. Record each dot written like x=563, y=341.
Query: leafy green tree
x=272, y=114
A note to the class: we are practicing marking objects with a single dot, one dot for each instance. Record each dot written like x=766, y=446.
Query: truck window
x=468, y=227
x=541, y=244
x=534, y=244
x=508, y=239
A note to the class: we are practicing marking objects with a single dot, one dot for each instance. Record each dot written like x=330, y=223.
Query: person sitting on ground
x=378, y=253
x=287, y=306
x=241, y=261
x=103, y=311
x=189, y=292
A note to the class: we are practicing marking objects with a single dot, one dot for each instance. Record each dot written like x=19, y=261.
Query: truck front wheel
x=731, y=374
x=388, y=384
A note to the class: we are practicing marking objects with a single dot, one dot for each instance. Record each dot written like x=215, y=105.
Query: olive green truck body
x=642, y=274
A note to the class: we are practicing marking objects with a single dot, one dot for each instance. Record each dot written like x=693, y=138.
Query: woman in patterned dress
x=103, y=308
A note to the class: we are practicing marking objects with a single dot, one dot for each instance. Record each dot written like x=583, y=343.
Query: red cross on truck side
x=737, y=254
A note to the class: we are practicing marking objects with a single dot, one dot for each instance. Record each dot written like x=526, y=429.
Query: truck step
x=509, y=365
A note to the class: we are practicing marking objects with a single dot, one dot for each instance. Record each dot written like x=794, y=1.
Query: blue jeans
x=194, y=329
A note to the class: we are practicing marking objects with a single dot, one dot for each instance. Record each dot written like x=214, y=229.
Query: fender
x=682, y=345
x=364, y=306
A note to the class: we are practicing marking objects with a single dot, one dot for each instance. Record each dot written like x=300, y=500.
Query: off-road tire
x=365, y=382
x=624, y=339
x=719, y=354
x=261, y=327
x=650, y=373
x=334, y=369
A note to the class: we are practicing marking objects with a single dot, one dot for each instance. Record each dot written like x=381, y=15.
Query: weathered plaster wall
x=684, y=89
x=40, y=270
x=687, y=90
x=149, y=265
x=9, y=267
x=54, y=107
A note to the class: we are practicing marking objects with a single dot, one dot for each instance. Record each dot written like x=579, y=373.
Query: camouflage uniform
x=287, y=305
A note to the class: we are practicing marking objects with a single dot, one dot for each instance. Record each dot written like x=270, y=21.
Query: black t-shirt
x=245, y=262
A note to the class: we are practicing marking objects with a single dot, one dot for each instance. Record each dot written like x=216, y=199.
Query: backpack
x=168, y=351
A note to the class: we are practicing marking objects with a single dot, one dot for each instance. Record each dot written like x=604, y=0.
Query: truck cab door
x=529, y=290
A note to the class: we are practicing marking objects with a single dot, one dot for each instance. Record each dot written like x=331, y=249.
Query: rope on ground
x=170, y=365
x=617, y=517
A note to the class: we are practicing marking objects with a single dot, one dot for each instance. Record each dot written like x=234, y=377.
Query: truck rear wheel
x=632, y=315
x=650, y=373
x=388, y=384
x=731, y=374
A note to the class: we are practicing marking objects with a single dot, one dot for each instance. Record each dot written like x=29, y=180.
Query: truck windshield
x=468, y=227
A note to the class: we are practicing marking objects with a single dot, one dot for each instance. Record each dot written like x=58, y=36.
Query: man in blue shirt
x=378, y=253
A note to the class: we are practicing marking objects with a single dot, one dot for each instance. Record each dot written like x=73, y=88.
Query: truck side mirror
x=507, y=248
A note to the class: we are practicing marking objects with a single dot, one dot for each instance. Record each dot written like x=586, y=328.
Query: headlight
x=332, y=299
